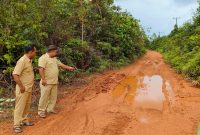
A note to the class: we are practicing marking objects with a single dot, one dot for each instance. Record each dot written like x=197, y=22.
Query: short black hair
x=52, y=47
x=29, y=48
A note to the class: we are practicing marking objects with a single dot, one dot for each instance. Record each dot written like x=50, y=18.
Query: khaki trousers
x=22, y=106
x=48, y=98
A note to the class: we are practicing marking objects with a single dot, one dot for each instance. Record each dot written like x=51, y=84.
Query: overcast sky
x=158, y=14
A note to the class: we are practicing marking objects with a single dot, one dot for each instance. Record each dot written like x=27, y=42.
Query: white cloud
x=158, y=14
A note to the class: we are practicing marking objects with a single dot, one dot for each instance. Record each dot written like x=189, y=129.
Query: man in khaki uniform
x=48, y=68
x=24, y=77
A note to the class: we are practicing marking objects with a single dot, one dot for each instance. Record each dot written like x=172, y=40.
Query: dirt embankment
x=144, y=98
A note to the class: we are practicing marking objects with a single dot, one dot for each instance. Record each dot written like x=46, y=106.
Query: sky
x=158, y=14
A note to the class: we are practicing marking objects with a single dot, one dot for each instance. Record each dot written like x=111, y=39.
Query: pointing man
x=24, y=77
x=48, y=68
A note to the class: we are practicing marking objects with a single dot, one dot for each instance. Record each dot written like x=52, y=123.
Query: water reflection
x=147, y=94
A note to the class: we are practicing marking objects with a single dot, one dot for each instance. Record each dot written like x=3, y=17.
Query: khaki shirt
x=24, y=69
x=51, y=68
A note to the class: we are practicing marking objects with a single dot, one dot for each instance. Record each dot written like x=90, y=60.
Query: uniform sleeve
x=42, y=62
x=59, y=62
x=19, y=67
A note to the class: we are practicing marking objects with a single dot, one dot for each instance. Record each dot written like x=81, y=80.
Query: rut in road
x=144, y=98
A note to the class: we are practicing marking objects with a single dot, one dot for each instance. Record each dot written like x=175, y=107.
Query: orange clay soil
x=144, y=98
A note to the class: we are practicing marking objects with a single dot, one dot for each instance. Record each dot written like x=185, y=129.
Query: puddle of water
x=126, y=89
x=170, y=92
x=149, y=99
x=146, y=94
x=149, y=94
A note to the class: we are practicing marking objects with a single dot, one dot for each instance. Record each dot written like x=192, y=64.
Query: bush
x=111, y=37
x=181, y=49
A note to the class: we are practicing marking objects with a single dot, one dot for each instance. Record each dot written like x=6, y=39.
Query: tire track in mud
x=117, y=126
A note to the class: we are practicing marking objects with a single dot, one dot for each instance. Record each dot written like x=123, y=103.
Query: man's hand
x=42, y=74
x=66, y=67
x=44, y=82
x=19, y=83
x=22, y=89
x=71, y=68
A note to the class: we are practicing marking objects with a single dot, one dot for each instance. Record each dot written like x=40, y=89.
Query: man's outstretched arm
x=66, y=67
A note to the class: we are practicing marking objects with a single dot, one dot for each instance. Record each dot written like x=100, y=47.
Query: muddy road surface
x=145, y=98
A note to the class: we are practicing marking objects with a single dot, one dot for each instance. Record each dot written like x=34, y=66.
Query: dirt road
x=144, y=98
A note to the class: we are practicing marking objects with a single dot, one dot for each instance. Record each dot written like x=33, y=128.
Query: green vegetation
x=181, y=48
x=111, y=37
